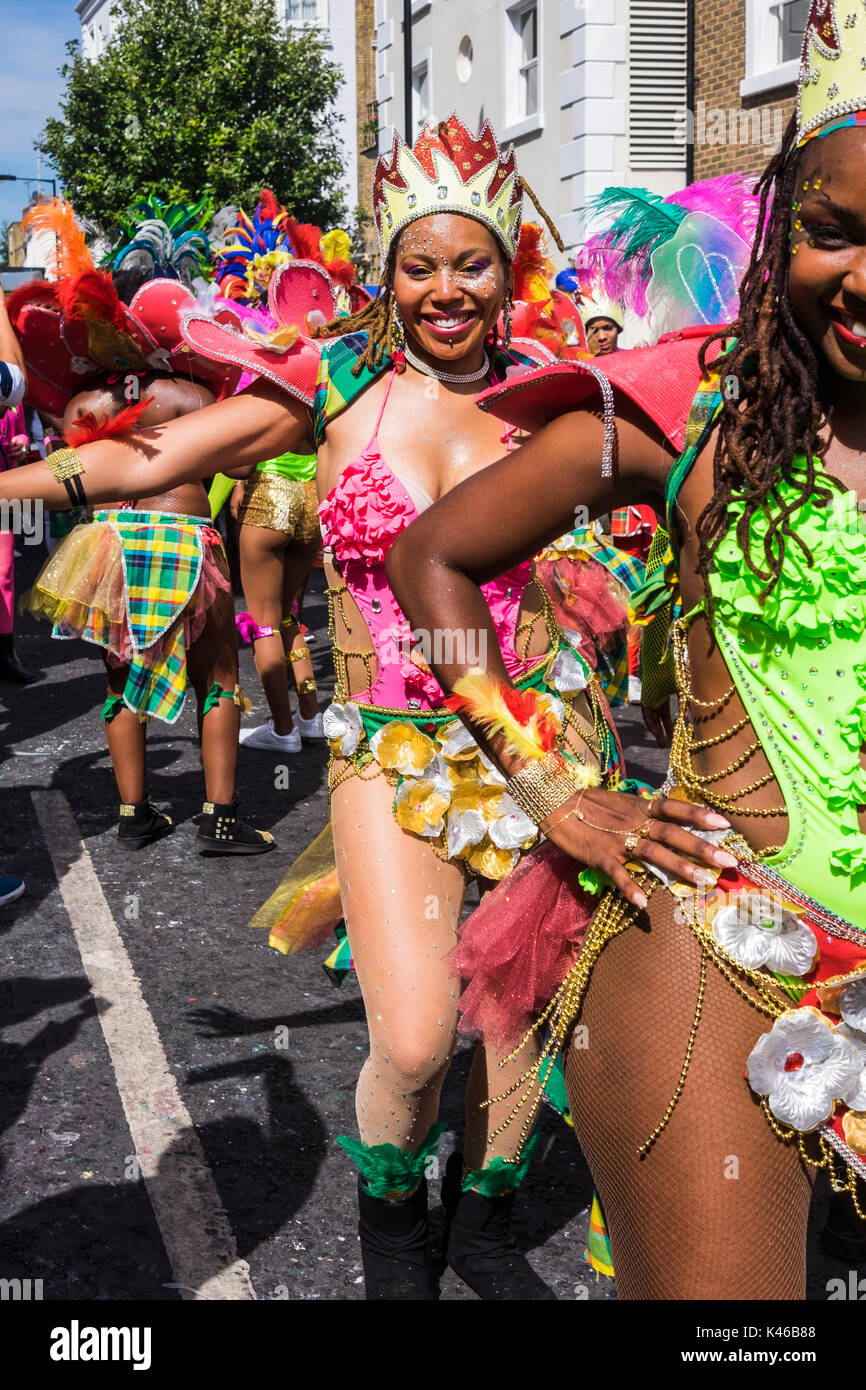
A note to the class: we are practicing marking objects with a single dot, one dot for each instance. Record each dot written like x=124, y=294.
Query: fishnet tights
x=682, y=1226
x=402, y=906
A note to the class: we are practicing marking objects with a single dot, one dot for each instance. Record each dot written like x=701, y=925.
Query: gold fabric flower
x=399, y=747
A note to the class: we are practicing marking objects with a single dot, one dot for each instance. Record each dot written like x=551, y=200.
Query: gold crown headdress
x=832, y=81
x=449, y=170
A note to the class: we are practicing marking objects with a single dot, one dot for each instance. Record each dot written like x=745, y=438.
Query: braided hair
x=375, y=319
x=774, y=412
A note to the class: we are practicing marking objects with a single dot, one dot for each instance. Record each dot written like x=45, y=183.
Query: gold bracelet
x=298, y=653
x=66, y=465
x=540, y=787
x=574, y=811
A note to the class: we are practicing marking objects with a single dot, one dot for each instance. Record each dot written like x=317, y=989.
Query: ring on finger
x=631, y=841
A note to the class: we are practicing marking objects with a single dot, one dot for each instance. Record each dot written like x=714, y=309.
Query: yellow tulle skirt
x=81, y=590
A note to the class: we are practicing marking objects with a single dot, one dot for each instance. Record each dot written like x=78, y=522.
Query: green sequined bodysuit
x=798, y=661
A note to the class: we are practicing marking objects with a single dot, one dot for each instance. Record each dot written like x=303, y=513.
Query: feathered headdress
x=169, y=240
x=676, y=261
x=243, y=269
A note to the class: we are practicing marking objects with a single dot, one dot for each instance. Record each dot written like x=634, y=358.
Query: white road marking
x=195, y=1228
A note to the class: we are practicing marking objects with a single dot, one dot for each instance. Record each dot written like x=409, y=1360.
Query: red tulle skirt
x=519, y=944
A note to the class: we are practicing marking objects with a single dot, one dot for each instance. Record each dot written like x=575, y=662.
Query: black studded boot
x=140, y=824
x=480, y=1243
x=221, y=831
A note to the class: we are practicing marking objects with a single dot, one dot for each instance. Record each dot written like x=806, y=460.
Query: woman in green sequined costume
x=763, y=968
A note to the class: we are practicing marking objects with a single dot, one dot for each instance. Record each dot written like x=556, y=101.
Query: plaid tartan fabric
x=162, y=561
x=337, y=387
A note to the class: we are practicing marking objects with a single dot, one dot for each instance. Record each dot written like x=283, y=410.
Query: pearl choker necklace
x=455, y=377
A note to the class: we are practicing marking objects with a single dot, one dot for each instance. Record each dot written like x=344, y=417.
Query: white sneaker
x=310, y=728
x=634, y=690
x=266, y=737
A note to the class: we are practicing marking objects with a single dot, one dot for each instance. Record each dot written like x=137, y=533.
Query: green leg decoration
x=216, y=693
x=388, y=1171
x=500, y=1176
x=113, y=705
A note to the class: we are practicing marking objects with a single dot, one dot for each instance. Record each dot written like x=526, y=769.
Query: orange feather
x=67, y=254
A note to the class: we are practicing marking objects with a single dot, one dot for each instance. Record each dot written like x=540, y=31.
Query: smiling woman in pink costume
x=417, y=806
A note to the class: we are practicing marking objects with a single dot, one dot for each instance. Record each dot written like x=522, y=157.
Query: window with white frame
x=421, y=109
x=524, y=19
x=774, y=40
x=306, y=12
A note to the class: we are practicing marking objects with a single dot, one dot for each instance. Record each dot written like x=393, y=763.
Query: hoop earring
x=506, y=314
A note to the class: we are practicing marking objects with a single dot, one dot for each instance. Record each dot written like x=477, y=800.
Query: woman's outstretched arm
x=494, y=520
x=259, y=423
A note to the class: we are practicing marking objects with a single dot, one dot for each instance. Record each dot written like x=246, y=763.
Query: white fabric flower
x=567, y=673
x=802, y=1065
x=457, y=741
x=464, y=828
x=758, y=930
x=555, y=704
x=852, y=1004
x=509, y=828
x=436, y=772
x=492, y=773
x=343, y=724
x=857, y=1040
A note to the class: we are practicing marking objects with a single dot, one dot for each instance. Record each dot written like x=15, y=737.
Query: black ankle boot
x=395, y=1247
x=844, y=1234
x=141, y=824
x=221, y=831
x=480, y=1244
x=10, y=667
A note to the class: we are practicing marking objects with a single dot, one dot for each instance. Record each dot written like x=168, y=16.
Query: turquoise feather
x=642, y=222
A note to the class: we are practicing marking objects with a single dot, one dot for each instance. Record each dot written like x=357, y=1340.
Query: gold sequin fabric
x=281, y=504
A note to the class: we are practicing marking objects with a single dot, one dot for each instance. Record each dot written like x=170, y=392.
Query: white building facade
x=335, y=19
x=587, y=90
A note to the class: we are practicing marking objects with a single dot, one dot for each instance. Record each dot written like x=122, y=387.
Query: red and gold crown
x=449, y=170
x=833, y=66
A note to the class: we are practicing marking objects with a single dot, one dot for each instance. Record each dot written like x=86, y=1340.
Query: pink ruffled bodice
x=361, y=517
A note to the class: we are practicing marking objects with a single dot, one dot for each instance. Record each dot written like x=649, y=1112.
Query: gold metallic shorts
x=281, y=504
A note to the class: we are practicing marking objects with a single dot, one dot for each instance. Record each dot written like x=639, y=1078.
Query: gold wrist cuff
x=544, y=784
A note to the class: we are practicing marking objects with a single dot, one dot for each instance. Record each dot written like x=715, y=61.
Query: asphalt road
x=175, y=1125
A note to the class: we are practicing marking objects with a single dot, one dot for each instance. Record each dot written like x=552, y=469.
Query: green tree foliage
x=199, y=96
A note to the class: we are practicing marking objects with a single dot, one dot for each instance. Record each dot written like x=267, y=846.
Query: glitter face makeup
x=450, y=283
x=827, y=277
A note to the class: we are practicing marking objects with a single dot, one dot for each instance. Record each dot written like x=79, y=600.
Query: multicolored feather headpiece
x=449, y=170
x=169, y=240
x=675, y=261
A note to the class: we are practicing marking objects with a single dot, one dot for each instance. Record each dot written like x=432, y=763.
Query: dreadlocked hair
x=775, y=412
x=376, y=319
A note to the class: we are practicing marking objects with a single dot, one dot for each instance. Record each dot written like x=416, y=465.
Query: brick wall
x=743, y=137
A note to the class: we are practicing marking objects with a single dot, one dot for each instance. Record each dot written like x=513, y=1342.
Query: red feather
x=91, y=295
x=89, y=427
x=33, y=292
x=305, y=238
x=269, y=208
x=341, y=272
